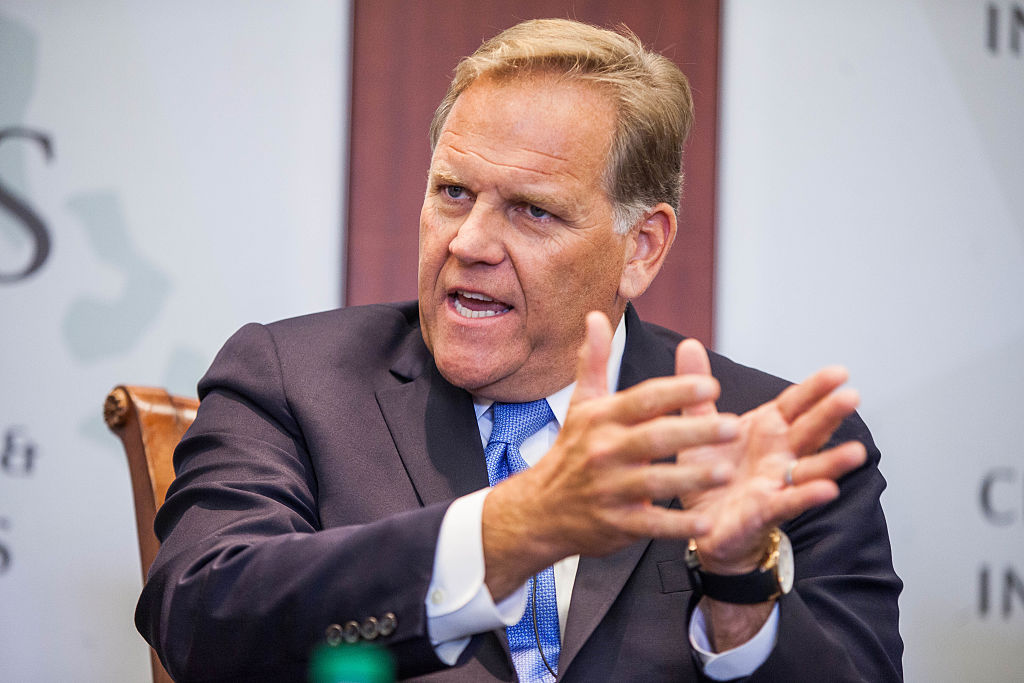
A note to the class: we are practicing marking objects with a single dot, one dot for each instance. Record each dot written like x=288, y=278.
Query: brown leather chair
x=150, y=422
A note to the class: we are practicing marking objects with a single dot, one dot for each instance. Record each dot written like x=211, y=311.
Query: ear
x=650, y=240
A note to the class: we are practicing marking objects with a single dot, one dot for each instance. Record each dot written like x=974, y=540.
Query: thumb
x=592, y=366
x=692, y=359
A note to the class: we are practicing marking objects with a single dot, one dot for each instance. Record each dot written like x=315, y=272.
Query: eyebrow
x=559, y=206
x=443, y=177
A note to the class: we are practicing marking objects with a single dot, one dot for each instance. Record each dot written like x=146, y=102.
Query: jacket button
x=333, y=635
x=388, y=623
x=350, y=631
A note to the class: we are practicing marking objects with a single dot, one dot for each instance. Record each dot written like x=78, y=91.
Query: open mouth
x=474, y=305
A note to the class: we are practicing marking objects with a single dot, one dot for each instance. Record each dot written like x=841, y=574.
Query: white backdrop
x=194, y=186
x=872, y=213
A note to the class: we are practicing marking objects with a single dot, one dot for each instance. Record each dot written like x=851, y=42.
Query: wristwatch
x=774, y=576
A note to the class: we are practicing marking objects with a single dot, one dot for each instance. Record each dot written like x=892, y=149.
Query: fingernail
x=705, y=388
x=728, y=427
x=722, y=473
x=701, y=526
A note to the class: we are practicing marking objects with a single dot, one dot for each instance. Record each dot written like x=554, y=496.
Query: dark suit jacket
x=311, y=487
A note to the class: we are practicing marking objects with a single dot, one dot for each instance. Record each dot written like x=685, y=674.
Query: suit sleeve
x=247, y=581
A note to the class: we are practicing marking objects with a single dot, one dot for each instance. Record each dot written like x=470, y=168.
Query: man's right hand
x=592, y=493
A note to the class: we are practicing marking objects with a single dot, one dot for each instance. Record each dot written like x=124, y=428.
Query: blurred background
x=169, y=172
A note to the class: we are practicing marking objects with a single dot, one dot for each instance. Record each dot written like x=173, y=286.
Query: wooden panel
x=404, y=55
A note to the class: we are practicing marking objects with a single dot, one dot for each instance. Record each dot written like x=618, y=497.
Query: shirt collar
x=559, y=401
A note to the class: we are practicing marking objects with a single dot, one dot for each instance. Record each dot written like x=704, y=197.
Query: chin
x=467, y=372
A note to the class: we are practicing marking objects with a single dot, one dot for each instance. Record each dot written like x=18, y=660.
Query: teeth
x=467, y=313
x=470, y=313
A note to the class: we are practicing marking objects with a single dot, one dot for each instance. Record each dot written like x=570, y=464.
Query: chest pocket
x=674, y=577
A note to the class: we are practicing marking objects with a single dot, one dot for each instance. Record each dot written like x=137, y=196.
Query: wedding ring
x=789, y=473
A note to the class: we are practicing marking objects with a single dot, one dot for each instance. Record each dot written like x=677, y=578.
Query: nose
x=479, y=239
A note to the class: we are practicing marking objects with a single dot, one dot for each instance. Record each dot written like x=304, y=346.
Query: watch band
x=751, y=588
x=759, y=585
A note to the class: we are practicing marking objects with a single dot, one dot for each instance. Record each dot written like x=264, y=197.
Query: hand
x=591, y=493
x=785, y=432
x=783, y=435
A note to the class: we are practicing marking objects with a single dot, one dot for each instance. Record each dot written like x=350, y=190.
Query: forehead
x=535, y=125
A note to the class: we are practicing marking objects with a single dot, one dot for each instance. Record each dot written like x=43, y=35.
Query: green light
x=356, y=663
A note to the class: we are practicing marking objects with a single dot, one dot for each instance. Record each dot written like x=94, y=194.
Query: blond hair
x=652, y=98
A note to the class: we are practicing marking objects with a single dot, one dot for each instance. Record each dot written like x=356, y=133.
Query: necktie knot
x=513, y=424
x=516, y=422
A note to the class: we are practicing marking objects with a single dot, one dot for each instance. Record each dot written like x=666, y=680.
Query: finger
x=795, y=500
x=767, y=434
x=662, y=396
x=664, y=436
x=814, y=428
x=668, y=480
x=709, y=452
x=654, y=521
x=592, y=366
x=692, y=359
x=830, y=464
x=799, y=398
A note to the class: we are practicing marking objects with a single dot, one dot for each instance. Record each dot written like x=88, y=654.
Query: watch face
x=785, y=566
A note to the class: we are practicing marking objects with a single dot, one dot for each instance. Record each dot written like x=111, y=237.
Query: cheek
x=600, y=269
x=433, y=247
x=588, y=282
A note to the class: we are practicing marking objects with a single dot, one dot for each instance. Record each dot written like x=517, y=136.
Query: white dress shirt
x=459, y=603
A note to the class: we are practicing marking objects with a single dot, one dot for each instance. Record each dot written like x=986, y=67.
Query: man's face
x=516, y=235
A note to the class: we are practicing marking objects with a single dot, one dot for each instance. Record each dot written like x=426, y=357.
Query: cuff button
x=350, y=631
x=387, y=624
x=369, y=629
x=333, y=635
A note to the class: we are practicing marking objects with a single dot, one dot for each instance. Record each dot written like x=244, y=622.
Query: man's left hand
x=779, y=437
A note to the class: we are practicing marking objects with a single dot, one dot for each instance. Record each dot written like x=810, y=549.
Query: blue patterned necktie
x=513, y=424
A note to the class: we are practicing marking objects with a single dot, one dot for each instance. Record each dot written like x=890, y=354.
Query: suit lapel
x=599, y=580
x=434, y=428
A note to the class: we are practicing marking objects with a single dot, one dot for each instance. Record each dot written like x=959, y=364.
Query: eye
x=537, y=212
x=454, y=191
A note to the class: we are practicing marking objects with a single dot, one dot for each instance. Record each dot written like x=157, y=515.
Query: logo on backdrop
x=23, y=213
x=1001, y=499
x=5, y=553
x=1004, y=28
x=19, y=454
x=17, y=459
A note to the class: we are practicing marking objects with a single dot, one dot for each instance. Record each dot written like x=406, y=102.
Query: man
x=362, y=474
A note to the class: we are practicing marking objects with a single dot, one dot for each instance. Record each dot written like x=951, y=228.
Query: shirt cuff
x=458, y=601
x=739, y=661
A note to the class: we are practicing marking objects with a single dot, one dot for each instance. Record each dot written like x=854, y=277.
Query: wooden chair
x=150, y=422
